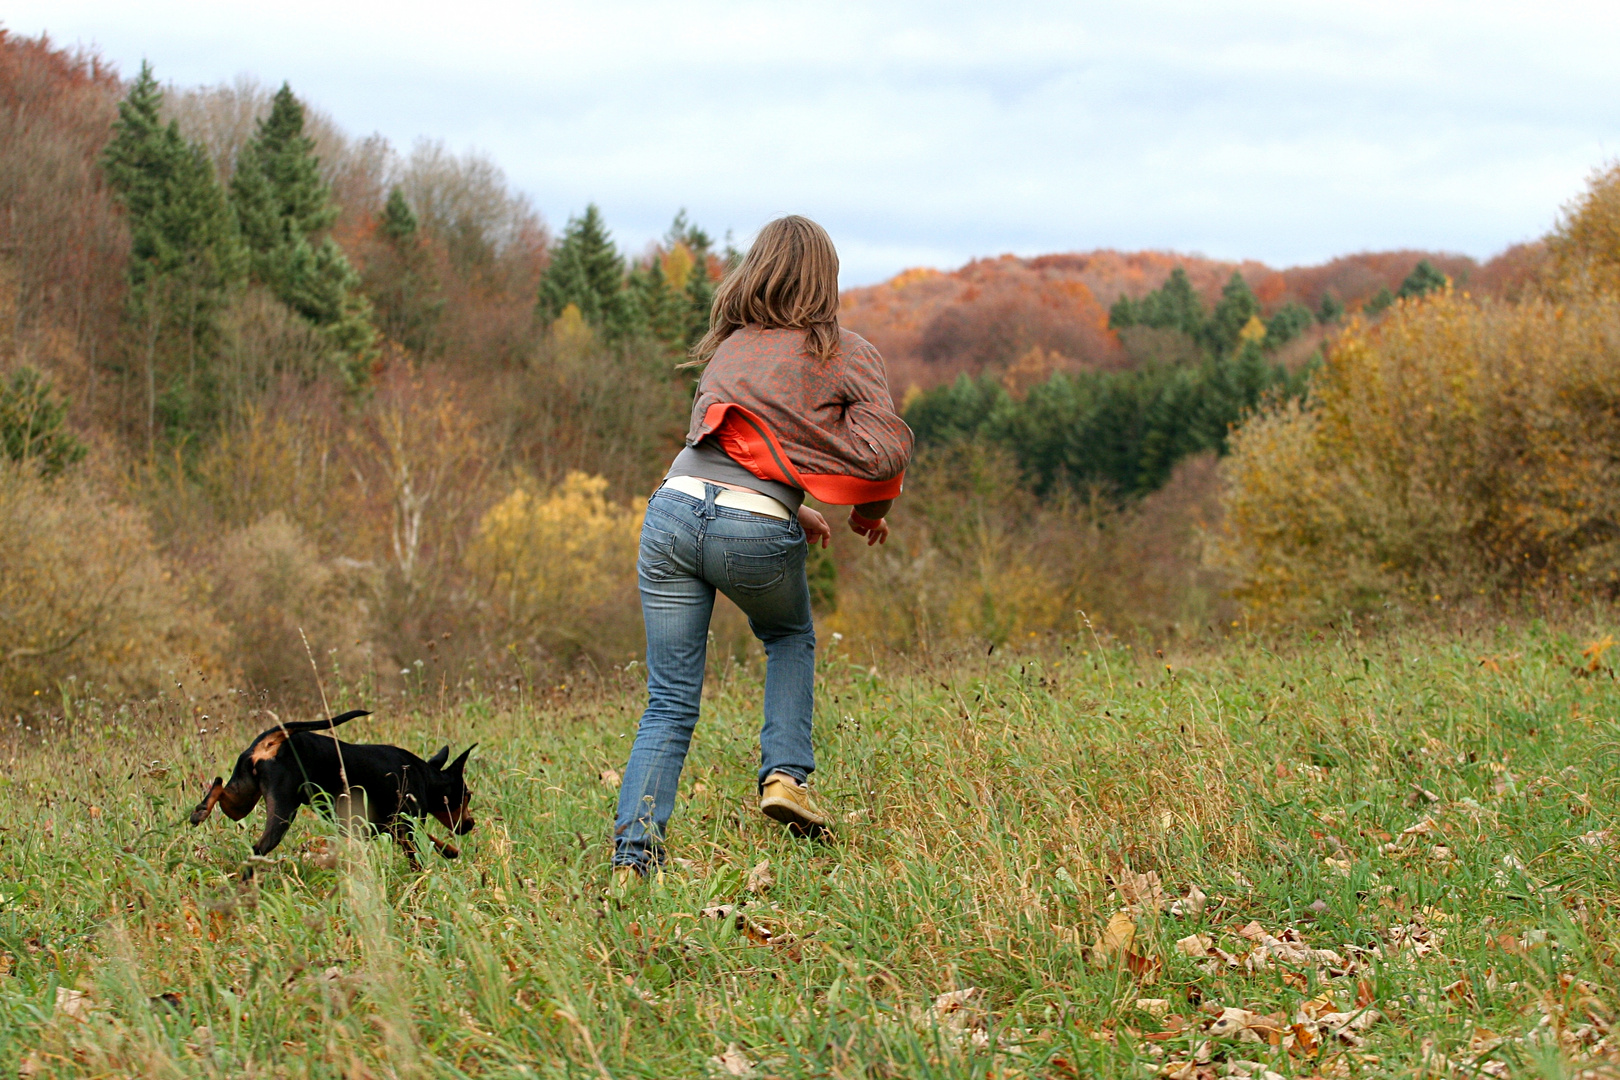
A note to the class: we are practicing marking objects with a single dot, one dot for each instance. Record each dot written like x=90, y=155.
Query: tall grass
x=997, y=812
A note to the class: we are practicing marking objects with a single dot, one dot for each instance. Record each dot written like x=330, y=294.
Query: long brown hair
x=788, y=280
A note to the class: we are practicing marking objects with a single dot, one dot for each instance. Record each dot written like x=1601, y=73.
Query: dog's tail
x=322, y=725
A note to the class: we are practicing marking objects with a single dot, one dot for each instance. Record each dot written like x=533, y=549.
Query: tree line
x=1122, y=432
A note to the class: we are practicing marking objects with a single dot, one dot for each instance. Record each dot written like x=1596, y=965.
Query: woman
x=788, y=403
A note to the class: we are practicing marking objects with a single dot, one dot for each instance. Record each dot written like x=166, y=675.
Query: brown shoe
x=788, y=801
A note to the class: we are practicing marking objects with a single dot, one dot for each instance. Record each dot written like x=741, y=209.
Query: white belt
x=751, y=501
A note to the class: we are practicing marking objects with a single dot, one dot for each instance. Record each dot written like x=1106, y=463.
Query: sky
x=929, y=133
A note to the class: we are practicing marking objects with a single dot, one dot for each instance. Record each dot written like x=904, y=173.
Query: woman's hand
x=815, y=526
x=876, y=532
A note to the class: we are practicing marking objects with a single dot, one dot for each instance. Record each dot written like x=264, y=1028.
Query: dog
x=289, y=765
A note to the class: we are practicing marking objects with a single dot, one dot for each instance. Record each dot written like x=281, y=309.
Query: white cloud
x=932, y=132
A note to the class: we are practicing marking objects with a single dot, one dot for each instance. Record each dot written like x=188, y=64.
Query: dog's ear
x=461, y=762
x=437, y=760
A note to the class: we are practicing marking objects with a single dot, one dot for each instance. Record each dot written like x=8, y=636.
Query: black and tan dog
x=293, y=764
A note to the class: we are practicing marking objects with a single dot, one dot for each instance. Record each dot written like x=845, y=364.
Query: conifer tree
x=1380, y=300
x=185, y=255
x=1173, y=305
x=398, y=222
x=401, y=282
x=1232, y=313
x=1290, y=321
x=1423, y=279
x=282, y=207
x=1331, y=310
x=659, y=311
x=699, y=287
x=586, y=270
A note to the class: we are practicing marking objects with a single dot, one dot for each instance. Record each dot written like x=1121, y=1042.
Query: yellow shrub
x=975, y=557
x=275, y=592
x=1460, y=447
x=1585, y=247
x=84, y=596
x=559, y=567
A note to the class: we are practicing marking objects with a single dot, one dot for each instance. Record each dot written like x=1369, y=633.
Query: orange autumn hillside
x=1051, y=312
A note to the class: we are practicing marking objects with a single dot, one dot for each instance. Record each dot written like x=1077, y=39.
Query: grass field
x=1406, y=851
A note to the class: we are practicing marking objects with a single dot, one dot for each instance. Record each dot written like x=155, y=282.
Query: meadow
x=1315, y=855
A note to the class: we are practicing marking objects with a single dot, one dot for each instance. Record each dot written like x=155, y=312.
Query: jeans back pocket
x=755, y=573
x=656, y=559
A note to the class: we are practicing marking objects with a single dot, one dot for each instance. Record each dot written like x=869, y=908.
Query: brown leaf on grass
x=1144, y=968
x=1287, y=948
x=732, y=1062
x=1190, y=906
x=1593, y=653
x=1246, y=1026
x=1158, y=1008
x=1422, y=828
x=610, y=778
x=1117, y=937
x=1196, y=946
x=73, y=1004
x=1253, y=1070
x=1143, y=892
x=1461, y=991
x=958, y=1014
x=1364, y=993
x=759, y=878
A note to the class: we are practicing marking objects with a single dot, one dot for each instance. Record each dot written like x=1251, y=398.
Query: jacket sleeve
x=885, y=442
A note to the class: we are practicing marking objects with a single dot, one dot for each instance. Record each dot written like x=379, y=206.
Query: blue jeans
x=690, y=548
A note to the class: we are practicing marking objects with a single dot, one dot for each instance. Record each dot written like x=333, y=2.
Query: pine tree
x=1232, y=313
x=400, y=281
x=699, y=287
x=31, y=424
x=398, y=222
x=1380, y=300
x=1290, y=321
x=1331, y=310
x=586, y=270
x=659, y=311
x=282, y=207
x=1423, y=279
x=185, y=255
x=1172, y=306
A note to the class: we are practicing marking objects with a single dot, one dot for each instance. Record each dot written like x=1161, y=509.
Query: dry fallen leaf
x=74, y=1004
x=1246, y=1026
x=759, y=878
x=1158, y=1008
x=733, y=1062
x=953, y=1003
x=957, y=1013
x=1144, y=892
x=610, y=778
x=1190, y=906
x=1117, y=937
x=1145, y=968
x=1196, y=946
